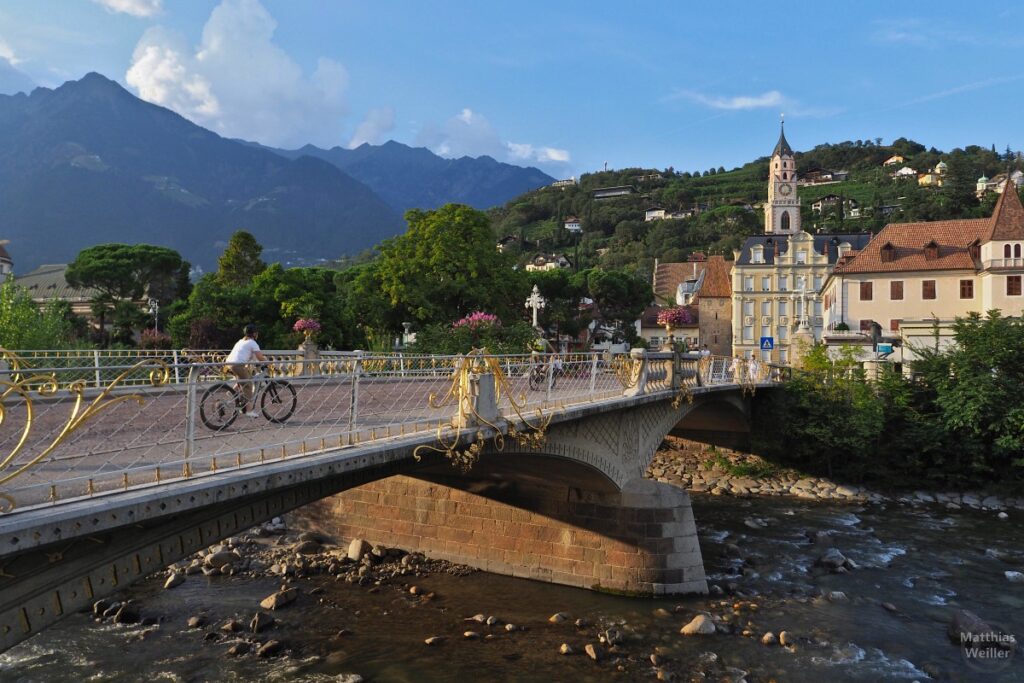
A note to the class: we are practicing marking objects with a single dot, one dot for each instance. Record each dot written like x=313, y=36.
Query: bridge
x=508, y=463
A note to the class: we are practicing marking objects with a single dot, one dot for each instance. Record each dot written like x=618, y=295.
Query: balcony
x=995, y=263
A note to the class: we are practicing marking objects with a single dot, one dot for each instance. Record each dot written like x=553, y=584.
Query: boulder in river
x=786, y=639
x=831, y=559
x=126, y=615
x=566, y=649
x=357, y=549
x=270, y=648
x=198, y=621
x=280, y=599
x=261, y=621
x=434, y=640
x=700, y=625
x=1014, y=577
x=595, y=652
x=219, y=559
x=769, y=639
x=558, y=617
x=175, y=579
x=307, y=547
x=966, y=626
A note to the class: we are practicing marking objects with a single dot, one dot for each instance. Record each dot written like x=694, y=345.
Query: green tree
x=446, y=266
x=241, y=261
x=24, y=326
x=124, y=271
x=618, y=296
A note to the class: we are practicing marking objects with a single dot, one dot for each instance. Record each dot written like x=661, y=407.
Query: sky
x=563, y=85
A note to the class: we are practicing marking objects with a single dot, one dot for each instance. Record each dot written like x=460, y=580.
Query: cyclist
x=243, y=352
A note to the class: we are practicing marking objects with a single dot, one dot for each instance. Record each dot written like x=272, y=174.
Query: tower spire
x=782, y=146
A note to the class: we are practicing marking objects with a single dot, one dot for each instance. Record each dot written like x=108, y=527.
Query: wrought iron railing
x=67, y=432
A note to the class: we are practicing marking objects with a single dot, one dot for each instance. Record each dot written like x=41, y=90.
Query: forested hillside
x=722, y=207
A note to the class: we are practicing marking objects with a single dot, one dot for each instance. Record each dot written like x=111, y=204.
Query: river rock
x=357, y=549
x=769, y=639
x=965, y=624
x=700, y=625
x=222, y=558
x=511, y=627
x=837, y=596
x=280, y=599
x=1003, y=515
x=175, y=579
x=595, y=652
x=197, y=621
x=613, y=636
x=470, y=635
x=270, y=648
x=100, y=606
x=1014, y=577
x=307, y=548
x=566, y=649
x=260, y=622
x=239, y=649
x=558, y=617
x=231, y=626
x=492, y=621
x=786, y=639
x=832, y=559
x=126, y=615
x=434, y=640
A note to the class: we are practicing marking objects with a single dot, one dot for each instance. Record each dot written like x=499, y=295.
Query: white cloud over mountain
x=377, y=124
x=469, y=133
x=239, y=83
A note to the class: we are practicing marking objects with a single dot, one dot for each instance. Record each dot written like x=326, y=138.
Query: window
x=748, y=333
x=766, y=308
x=783, y=332
x=748, y=283
x=967, y=289
x=655, y=341
x=766, y=331
x=1013, y=285
x=1006, y=251
x=783, y=356
x=817, y=308
x=896, y=290
x=894, y=324
x=799, y=312
x=931, y=251
x=785, y=221
x=766, y=283
x=888, y=253
x=783, y=307
x=801, y=256
x=866, y=291
x=1016, y=251
x=783, y=283
x=748, y=308
x=817, y=282
x=828, y=301
x=766, y=356
x=928, y=289
x=757, y=254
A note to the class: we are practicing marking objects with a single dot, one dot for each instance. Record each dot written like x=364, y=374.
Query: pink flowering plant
x=306, y=326
x=475, y=321
x=676, y=316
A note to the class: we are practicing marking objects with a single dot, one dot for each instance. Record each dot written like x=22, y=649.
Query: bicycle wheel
x=278, y=401
x=219, y=406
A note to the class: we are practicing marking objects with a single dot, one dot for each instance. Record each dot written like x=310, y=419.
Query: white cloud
x=7, y=53
x=136, y=8
x=377, y=124
x=772, y=98
x=469, y=133
x=239, y=83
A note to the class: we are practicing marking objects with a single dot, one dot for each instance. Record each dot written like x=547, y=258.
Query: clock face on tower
x=785, y=189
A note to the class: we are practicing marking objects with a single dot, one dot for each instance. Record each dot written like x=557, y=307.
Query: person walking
x=242, y=353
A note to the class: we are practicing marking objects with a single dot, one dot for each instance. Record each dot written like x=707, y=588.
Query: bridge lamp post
x=154, y=308
x=535, y=302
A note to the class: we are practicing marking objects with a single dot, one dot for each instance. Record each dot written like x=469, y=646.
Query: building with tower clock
x=777, y=276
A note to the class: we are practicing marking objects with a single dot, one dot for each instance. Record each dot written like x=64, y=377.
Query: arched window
x=1016, y=251
x=785, y=176
x=785, y=222
x=1006, y=251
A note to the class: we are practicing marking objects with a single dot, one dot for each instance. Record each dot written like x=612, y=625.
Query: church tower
x=782, y=212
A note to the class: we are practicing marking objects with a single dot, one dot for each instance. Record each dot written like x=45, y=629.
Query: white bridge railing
x=70, y=430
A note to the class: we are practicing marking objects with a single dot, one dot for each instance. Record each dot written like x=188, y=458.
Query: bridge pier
x=641, y=540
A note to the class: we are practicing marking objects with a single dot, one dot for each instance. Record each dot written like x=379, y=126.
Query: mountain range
x=88, y=162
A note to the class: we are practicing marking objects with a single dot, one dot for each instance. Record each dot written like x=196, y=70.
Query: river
x=925, y=562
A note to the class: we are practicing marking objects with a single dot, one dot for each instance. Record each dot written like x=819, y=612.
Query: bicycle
x=538, y=378
x=222, y=403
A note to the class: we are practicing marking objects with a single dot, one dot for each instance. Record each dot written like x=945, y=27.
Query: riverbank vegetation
x=958, y=421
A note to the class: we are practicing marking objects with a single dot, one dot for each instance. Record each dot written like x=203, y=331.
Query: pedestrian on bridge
x=237, y=363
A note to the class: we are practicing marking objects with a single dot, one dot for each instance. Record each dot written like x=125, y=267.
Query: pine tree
x=240, y=262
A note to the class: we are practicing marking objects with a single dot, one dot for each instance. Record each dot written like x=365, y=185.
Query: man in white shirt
x=243, y=352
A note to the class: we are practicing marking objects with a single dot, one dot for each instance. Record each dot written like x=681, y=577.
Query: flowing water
x=926, y=562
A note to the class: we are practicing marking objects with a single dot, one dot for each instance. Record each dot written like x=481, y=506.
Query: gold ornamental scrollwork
x=30, y=387
x=464, y=454
x=627, y=370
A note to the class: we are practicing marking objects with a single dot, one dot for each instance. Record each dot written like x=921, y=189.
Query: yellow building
x=914, y=278
x=777, y=276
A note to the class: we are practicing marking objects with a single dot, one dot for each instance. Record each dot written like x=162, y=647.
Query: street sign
x=767, y=343
x=885, y=348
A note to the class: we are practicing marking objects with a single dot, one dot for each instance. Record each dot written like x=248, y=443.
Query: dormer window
x=974, y=250
x=888, y=253
x=931, y=251
x=757, y=254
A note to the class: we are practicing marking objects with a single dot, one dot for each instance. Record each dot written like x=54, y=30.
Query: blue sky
x=562, y=85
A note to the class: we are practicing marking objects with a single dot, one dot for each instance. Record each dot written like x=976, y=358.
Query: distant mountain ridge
x=88, y=162
x=414, y=177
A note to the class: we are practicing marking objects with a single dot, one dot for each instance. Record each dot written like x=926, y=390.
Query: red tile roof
x=668, y=276
x=717, y=278
x=953, y=238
